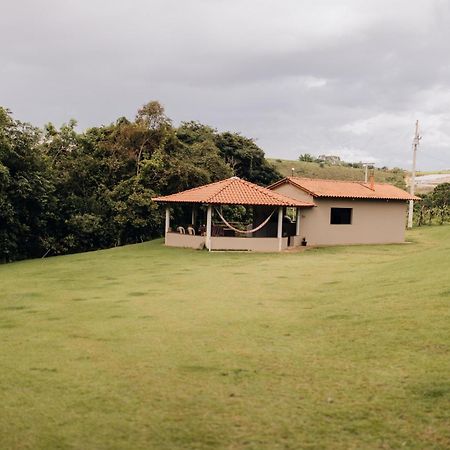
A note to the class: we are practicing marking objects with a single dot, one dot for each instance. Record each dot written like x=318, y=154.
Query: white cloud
x=313, y=82
x=378, y=124
x=355, y=155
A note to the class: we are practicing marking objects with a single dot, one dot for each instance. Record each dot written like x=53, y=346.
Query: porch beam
x=208, y=227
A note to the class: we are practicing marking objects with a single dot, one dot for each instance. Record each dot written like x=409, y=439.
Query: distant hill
x=434, y=172
x=337, y=172
x=426, y=182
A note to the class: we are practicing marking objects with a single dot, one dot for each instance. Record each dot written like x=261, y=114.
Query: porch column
x=280, y=227
x=297, y=222
x=193, y=215
x=208, y=227
x=166, y=229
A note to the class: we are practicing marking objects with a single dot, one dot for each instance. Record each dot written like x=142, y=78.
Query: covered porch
x=271, y=229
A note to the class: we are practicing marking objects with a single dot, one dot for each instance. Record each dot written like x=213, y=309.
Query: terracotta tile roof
x=347, y=189
x=232, y=191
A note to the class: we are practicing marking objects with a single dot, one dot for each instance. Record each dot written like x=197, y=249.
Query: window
x=341, y=216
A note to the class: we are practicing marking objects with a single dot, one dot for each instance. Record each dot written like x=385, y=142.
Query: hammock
x=244, y=231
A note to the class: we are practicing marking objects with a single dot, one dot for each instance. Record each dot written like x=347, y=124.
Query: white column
x=297, y=223
x=208, y=227
x=280, y=227
x=193, y=216
x=167, y=220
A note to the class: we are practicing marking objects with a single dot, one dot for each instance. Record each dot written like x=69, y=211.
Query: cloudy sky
x=325, y=77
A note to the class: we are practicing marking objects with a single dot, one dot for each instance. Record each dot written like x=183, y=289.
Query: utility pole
x=412, y=182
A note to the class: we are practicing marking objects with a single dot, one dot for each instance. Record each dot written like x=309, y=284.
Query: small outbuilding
x=348, y=212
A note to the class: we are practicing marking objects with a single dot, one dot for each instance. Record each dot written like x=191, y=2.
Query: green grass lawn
x=147, y=347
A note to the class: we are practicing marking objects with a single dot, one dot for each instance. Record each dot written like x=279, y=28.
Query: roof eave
x=287, y=204
x=368, y=198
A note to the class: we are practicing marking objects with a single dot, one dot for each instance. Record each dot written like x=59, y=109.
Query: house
x=291, y=212
x=348, y=212
x=200, y=217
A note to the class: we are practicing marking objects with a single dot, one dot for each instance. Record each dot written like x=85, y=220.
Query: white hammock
x=244, y=231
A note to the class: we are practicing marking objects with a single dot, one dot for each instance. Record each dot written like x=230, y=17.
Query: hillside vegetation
x=147, y=347
x=336, y=172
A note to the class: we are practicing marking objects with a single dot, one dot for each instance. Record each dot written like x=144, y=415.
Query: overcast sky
x=346, y=78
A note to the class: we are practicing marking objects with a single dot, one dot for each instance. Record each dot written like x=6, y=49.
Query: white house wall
x=373, y=221
x=293, y=192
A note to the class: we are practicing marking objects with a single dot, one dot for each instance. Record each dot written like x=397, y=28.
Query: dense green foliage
x=64, y=191
x=150, y=347
x=434, y=207
x=27, y=192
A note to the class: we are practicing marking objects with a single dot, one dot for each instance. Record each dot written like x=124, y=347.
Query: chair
x=181, y=230
x=191, y=231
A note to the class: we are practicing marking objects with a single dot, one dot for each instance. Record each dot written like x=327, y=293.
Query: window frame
x=341, y=223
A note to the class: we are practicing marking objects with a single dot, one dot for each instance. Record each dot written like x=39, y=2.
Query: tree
x=441, y=200
x=135, y=217
x=26, y=191
x=149, y=130
x=434, y=204
x=182, y=166
x=193, y=132
x=306, y=157
x=246, y=158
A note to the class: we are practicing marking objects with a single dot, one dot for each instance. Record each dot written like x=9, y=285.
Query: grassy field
x=146, y=347
x=315, y=170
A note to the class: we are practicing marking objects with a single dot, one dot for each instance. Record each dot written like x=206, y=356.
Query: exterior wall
x=373, y=221
x=225, y=243
x=294, y=192
x=252, y=244
x=184, y=240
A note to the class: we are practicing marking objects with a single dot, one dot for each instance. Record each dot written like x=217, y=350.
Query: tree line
x=337, y=161
x=64, y=191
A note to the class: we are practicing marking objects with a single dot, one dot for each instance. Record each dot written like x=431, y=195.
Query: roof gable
x=346, y=189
